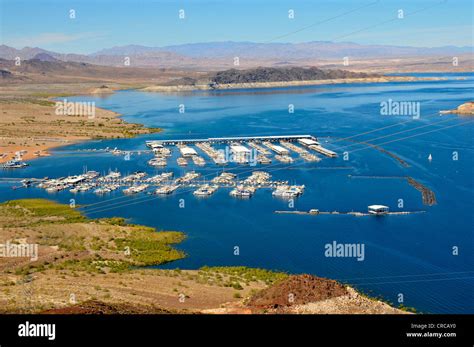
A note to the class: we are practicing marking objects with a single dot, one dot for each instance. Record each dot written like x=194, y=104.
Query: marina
x=164, y=184
x=241, y=150
x=247, y=150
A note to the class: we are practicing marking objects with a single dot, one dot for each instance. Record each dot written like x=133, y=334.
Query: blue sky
x=106, y=23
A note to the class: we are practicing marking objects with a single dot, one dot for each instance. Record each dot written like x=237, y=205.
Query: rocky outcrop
x=287, y=74
x=298, y=289
x=307, y=294
x=464, y=109
x=283, y=84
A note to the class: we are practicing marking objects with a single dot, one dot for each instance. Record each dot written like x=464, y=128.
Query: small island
x=466, y=109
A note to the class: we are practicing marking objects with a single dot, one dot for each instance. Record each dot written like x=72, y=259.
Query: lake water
x=410, y=255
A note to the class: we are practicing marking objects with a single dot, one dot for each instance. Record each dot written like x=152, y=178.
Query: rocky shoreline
x=283, y=84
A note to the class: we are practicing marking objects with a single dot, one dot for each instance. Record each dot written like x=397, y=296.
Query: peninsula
x=269, y=77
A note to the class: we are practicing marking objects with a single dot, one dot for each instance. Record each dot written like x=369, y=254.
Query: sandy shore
x=33, y=127
x=260, y=85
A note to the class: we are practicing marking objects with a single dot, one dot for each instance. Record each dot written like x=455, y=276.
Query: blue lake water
x=410, y=255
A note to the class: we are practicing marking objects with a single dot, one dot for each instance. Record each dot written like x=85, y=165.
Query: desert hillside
x=84, y=265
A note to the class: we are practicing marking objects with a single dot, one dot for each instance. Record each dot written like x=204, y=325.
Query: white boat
x=101, y=190
x=287, y=191
x=199, y=161
x=205, y=190
x=182, y=161
x=57, y=188
x=91, y=175
x=14, y=164
x=112, y=176
x=136, y=189
x=242, y=192
x=157, y=162
x=168, y=189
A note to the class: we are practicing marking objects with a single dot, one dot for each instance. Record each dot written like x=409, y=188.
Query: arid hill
x=297, y=290
x=268, y=75
x=47, y=69
x=283, y=74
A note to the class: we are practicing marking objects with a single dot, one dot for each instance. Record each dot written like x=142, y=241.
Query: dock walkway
x=352, y=213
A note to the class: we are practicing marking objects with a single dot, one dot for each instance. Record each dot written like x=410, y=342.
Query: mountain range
x=222, y=54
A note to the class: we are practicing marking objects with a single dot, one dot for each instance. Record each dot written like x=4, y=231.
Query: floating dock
x=280, y=147
x=351, y=213
x=277, y=138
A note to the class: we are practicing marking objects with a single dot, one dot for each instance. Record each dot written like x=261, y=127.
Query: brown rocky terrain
x=466, y=109
x=307, y=294
x=296, y=290
x=99, y=307
x=56, y=71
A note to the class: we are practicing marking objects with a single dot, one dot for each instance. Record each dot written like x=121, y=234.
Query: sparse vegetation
x=94, y=246
x=246, y=274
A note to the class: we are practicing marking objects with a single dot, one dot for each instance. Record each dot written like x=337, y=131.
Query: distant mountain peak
x=44, y=57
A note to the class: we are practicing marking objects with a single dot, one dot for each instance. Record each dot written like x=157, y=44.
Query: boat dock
x=301, y=151
x=261, y=148
x=289, y=138
x=247, y=150
x=350, y=213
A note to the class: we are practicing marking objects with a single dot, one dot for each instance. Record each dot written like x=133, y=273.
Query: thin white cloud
x=460, y=35
x=45, y=39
